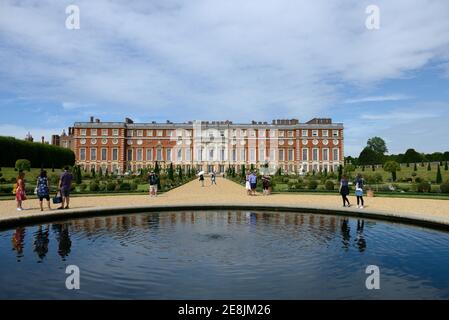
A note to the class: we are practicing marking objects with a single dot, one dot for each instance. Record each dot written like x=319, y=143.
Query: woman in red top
x=20, y=190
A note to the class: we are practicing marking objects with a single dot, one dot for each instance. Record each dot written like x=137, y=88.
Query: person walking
x=202, y=179
x=152, y=179
x=43, y=189
x=253, y=182
x=65, y=184
x=359, y=185
x=213, y=178
x=247, y=185
x=344, y=190
x=266, y=185
x=20, y=190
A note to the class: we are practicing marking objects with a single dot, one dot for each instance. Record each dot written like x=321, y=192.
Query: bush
x=54, y=179
x=423, y=186
x=6, y=189
x=93, y=186
x=110, y=186
x=23, y=164
x=103, y=187
x=125, y=186
x=313, y=184
x=444, y=187
x=134, y=186
x=82, y=187
x=329, y=185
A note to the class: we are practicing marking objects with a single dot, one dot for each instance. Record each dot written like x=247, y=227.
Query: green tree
x=243, y=173
x=340, y=172
x=429, y=168
x=77, y=174
x=415, y=168
x=170, y=172
x=378, y=145
x=412, y=156
x=369, y=156
x=439, y=177
x=445, y=166
x=92, y=172
x=23, y=164
x=392, y=167
x=157, y=170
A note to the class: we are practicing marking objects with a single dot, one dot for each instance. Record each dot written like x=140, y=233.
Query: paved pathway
x=228, y=192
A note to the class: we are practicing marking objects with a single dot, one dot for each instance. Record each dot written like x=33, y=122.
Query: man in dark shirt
x=65, y=183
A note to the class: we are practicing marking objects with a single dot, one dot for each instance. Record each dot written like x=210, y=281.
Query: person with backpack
x=152, y=179
x=213, y=178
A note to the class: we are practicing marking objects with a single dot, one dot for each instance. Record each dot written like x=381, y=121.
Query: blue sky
x=237, y=60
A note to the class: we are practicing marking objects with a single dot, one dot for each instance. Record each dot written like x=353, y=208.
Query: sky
x=230, y=60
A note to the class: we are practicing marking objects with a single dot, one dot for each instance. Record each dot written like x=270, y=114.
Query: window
x=93, y=132
x=252, y=154
x=252, y=133
x=129, y=133
x=115, y=132
x=325, y=154
x=336, y=154
x=242, y=155
x=290, y=154
x=305, y=154
x=170, y=133
x=244, y=132
x=159, y=133
x=93, y=154
x=290, y=134
x=82, y=154
x=305, y=133
x=262, y=133
x=149, y=154
x=82, y=132
x=104, y=153
x=281, y=133
x=139, y=133
x=188, y=154
x=139, y=155
x=199, y=154
x=262, y=154
x=211, y=154
x=130, y=155
x=168, y=158
x=234, y=155
x=314, y=133
x=159, y=154
x=281, y=154
x=272, y=155
x=315, y=154
x=325, y=133
x=222, y=154
x=104, y=132
x=335, y=133
x=114, y=154
x=179, y=156
x=272, y=133
x=149, y=133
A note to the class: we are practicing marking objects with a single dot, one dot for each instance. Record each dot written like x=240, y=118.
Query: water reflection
x=324, y=228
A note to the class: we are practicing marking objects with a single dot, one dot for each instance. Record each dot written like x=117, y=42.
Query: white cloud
x=394, y=97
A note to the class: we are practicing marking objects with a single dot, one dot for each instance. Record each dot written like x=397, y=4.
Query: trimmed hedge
x=39, y=154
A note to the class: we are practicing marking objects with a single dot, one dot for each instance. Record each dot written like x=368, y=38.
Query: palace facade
x=293, y=146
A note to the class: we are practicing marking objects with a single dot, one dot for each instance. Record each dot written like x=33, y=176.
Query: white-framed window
x=335, y=133
x=252, y=133
x=305, y=154
x=199, y=154
x=115, y=154
x=305, y=133
x=159, y=133
x=290, y=154
x=82, y=154
x=222, y=154
x=159, y=154
x=168, y=158
x=115, y=132
x=139, y=133
x=281, y=155
x=281, y=133
x=234, y=155
x=325, y=133
x=211, y=154
x=252, y=154
x=261, y=154
x=149, y=154
x=104, y=132
x=326, y=154
x=261, y=133
x=93, y=154
x=93, y=132
x=188, y=154
x=179, y=155
x=314, y=133
x=315, y=154
x=170, y=133
x=149, y=133
x=242, y=155
x=139, y=155
x=272, y=133
x=130, y=155
x=244, y=132
x=290, y=134
x=104, y=154
x=83, y=132
x=272, y=154
x=336, y=154
x=129, y=133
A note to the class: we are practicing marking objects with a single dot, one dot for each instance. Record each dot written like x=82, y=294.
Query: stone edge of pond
x=440, y=223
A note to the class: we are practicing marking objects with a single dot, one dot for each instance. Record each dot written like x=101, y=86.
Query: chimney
x=91, y=119
x=97, y=120
x=43, y=139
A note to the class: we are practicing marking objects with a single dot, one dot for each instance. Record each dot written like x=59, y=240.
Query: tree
x=392, y=167
x=369, y=157
x=378, y=145
x=340, y=172
x=445, y=166
x=429, y=168
x=412, y=156
x=180, y=174
x=415, y=168
x=157, y=170
x=170, y=172
x=92, y=171
x=439, y=177
x=77, y=174
x=23, y=164
x=243, y=173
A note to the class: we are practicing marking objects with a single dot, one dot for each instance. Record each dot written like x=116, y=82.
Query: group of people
x=344, y=191
x=42, y=189
x=213, y=178
x=153, y=180
x=251, y=184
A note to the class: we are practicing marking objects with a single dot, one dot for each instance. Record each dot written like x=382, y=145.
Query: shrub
x=444, y=187
x=117, y=187
x=125, y=186
x=82, y=187
x=93, y=186
x=423, y=186
x=6, y=189
x=103, y=187
x=54, y=178
x=110, y=186
x=313, y=184
x=329, y=185
x=23, y=164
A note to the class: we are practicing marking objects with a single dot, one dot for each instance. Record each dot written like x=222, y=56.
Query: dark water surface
x=224, y=255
